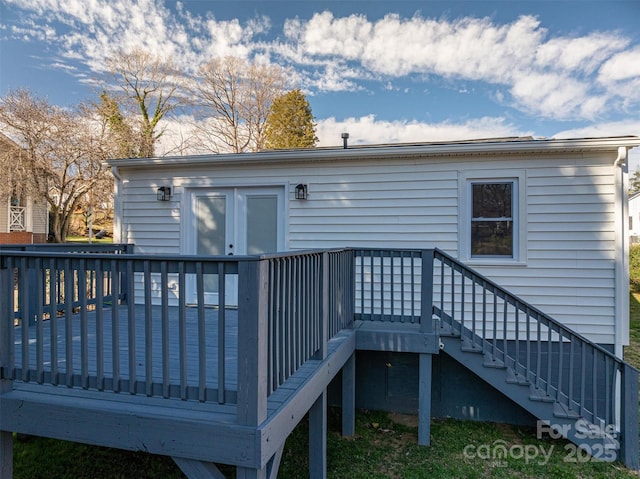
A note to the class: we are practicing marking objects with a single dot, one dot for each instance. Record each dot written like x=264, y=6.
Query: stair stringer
x=535, y=401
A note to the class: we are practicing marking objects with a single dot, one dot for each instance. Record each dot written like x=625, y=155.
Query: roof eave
x=539, y=146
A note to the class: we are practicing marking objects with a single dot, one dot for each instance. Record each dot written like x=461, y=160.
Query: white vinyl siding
x=566, y=250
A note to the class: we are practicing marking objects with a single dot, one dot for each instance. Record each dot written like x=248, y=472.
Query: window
x=492, y=218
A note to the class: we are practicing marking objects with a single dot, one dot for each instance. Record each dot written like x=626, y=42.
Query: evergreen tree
x=290, y=122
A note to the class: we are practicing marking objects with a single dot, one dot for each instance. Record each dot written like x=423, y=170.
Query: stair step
x=448, y=331
x=490, y=362
x=513, y=378
x=469, y=347
x=539, y=395
x=562, y=411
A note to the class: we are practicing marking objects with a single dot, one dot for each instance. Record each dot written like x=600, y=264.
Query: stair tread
x=562, y=411
x=517, y=378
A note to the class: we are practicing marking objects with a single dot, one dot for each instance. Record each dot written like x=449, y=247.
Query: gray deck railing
x=159, y=335
x=565, y=367
x=53, y=284
x=586, y=379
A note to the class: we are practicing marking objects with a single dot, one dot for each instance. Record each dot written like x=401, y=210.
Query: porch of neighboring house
x=150, y=352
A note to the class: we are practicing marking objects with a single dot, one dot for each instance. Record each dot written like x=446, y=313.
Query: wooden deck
x=206, y=431
x=124, y=350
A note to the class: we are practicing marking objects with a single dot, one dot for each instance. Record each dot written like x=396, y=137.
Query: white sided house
x=528, y=292
x=634, y=218
x=544, y=218
x=483, y=279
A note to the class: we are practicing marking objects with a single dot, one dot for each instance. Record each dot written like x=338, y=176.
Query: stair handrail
x=621, y=409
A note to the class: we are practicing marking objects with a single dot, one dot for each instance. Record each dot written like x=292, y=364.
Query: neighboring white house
x=545, y=218
x=634, y=218
x=23, y=219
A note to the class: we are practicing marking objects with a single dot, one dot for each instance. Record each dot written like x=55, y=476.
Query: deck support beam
x=318, y=438
x=424, y=399
x=270, y=471
x=349, y=397
x=6, y=454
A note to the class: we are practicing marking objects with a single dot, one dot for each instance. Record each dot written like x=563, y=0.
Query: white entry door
x=237, y=221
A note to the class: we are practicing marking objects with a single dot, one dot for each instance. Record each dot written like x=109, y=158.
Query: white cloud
x=553, y=76
x=616, y=128
x=368, y=130
x=546, y=76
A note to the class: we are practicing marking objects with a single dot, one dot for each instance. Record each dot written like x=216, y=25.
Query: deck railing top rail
x=520, y=304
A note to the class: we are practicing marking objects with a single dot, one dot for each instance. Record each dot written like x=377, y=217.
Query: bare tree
x=61, y=158
x=232, y=100
x=149, y=90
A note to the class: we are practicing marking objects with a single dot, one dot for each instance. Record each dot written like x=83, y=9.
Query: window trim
x=518, y=179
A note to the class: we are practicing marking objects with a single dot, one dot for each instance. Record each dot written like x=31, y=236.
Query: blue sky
x=385, y=71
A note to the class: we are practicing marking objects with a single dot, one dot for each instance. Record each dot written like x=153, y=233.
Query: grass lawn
x=384, y=446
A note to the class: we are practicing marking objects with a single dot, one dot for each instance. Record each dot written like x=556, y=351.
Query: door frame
x=189, y=230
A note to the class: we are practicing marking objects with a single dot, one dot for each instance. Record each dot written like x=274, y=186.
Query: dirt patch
x=409, y=420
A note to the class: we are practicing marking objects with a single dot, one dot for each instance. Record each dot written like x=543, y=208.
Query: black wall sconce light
x=301, y=192
x=164, y=193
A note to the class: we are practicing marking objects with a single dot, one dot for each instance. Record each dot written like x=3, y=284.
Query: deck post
x=629, y=418
x=425, y=365
x=349, y=397
x=426, y=298
x=424, y=399
x=6, y=330
x=252, y=341
x=318, y=438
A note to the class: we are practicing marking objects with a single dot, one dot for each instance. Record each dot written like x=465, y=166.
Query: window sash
x=493, y=228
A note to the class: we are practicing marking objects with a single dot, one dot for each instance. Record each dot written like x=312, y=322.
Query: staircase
x=576, y=389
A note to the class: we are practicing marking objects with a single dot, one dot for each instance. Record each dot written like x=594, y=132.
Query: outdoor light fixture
x=301, y=192
x=164, y=193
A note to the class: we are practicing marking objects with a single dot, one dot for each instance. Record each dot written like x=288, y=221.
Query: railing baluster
x=271, y=386
x=594, y=385
x=560, y=364
x=182, y=331
x=202, y=344
x=495, y=326
x=84, y=326
x=131, y=331
x=54, y=288
x=24, y=304
x=116, y=270
x=222, y=323
x=99, y=325
x=583, y=372
x=516, y=318
x=40, y=300
x=166, y=364
x=148, y=330
x=549, y=358
x=571, y=378
x=539, y=352
x=68, y=320
x=505, y=331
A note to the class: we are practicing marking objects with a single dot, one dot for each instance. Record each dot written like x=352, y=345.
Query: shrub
x=634, y=268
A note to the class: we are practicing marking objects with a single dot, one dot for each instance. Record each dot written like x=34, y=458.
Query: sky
x=384, y=71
